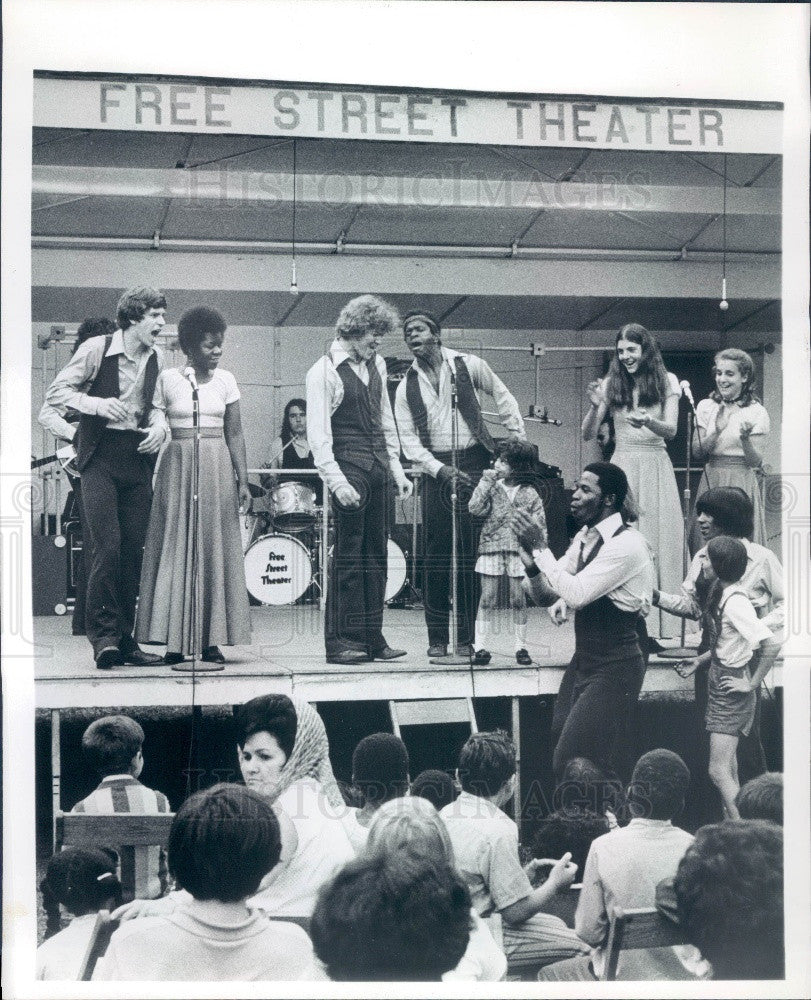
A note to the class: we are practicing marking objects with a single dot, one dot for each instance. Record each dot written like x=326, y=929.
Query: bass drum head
x=278, y=569
x=396, y=570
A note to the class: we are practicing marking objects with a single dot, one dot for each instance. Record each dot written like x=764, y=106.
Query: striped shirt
x=121, y=793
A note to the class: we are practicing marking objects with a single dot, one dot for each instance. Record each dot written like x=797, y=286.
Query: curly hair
x=135, y=303
x=729, y=894
x=746, y=366
x=658, y=785
x=196, y=324
x=650, y=379
x=380, y=768
x=366, y=314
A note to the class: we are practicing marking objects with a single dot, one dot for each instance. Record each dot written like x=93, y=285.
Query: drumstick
x=284, y=448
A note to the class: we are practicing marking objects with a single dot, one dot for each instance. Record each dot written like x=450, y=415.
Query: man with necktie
x=353, y=438
x=607, y=576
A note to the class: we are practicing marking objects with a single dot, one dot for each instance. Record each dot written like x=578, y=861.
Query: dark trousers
x=595, y=708
x=438, y=543
x=81, y=564
x=116, y=498
x=357, y=576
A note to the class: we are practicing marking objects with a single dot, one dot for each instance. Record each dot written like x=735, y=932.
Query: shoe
x=438, y=649
x=523, y=657
x=481, y=657
x=387, y=653
x=138, y=658
x=109, y=657
x=212, y=654
x=464, y=649
x=171, y=658
x=348, y=657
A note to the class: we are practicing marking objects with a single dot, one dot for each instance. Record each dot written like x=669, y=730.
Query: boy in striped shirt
x=113, y=746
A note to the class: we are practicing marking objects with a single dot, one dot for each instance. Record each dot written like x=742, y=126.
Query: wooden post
x=516, y=727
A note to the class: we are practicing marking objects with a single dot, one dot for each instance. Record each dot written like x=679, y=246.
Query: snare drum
x=293, y=506
x=278, y=569
x=396, y=570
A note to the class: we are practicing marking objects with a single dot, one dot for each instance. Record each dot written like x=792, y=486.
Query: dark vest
x=292, y=460
x=466, y=399
x=601, y=626
x=357, y=430
x=104, y=386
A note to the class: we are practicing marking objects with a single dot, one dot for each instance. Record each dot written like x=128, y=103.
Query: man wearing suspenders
x=110, y=382
x=607, y=577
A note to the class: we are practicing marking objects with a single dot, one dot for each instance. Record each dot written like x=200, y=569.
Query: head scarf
x=309, y=757
x=426, y=317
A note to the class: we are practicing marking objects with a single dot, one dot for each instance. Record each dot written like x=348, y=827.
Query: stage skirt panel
x=731, y=470
x=164, y=612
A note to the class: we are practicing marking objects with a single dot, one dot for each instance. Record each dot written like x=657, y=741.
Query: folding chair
x=642, y=928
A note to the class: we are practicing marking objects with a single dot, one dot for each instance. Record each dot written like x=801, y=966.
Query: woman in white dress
x=732, y=428
x=642, y=398
x=165, y=601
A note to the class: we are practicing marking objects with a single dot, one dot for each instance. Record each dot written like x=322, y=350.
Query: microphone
x=191, y=376
x=684, y=385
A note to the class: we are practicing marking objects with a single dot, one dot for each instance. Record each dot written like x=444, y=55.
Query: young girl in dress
x=83, y=881
x=735, y=674
x=642, y=397
x=502, y=490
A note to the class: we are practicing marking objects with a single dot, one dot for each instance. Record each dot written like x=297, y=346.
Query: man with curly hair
x=354, y=442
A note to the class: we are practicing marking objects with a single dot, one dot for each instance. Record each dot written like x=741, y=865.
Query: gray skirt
x=729, y=712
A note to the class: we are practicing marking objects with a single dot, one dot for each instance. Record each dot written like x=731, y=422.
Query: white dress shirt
x=741, y=631
x=325, y=393
x=622, y=570
x=438, y=408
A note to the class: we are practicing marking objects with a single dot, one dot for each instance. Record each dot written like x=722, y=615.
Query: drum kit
x=282, y=545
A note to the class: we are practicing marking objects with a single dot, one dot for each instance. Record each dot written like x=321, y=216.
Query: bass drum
x=396, y=571
x=278, y=569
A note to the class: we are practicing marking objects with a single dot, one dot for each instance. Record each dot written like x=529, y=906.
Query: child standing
x=735, y=674
x=502, y=490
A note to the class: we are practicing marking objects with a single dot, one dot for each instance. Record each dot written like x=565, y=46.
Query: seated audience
x=113, y=746
x=437, y=787
x=729, y=896
x=762, y=798
x=584, y=786
x=485, y=845
x=379, y=773
x=84, y=882
x=392, y=918
x=222, y=843
x=624, y=867
x=412, y=825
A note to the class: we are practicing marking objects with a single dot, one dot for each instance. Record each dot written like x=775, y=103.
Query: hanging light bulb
x=293, y=282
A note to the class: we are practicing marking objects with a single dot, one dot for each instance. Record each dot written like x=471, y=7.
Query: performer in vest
x=607, y=576
x=110, y=381
x=354, y=441
x=423, y=410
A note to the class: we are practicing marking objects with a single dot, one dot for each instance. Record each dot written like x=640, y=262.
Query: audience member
x=84, y=882
x=624, y=867
x=113, y=746
x=584, y=785
x=394, y=918
x=412, y=825
x=437, y=787
x=729, y=895
x=485, y=844
x=223, y=842
x=379, y=773
x=762, y=798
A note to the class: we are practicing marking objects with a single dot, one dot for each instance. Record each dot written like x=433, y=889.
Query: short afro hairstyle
x=658, y=785
x=732, y=511
x=389, y=918
x=486, y=763
x=269, y=713
x=380, y=768
x=728, y=557
x=223, y=842
x=195, y=325
x=611, y=480
x=729, y=896
x=521, y=456
x=135, y=303
x=762, y=798
x=110, y=743
x=366, y=314
x=437, y=787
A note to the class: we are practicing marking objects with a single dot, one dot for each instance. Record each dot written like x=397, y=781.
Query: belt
x=720, y=460
x=180, y=433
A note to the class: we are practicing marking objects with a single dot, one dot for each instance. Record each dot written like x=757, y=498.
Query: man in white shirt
x=110, y=382
x=353, y=437
x=607, y=577
x=423, y=407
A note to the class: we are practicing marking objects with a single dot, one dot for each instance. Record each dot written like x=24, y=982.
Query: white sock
x=520, y=635
x=482, y=633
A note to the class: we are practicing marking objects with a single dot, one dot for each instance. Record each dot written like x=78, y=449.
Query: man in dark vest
x=354, y=442
x=110, y=381
x=607, y=576
x=423, y=407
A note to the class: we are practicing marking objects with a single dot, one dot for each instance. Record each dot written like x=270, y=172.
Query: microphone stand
x=197, y=665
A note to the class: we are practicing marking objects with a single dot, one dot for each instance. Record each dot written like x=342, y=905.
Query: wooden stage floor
x=287, y=656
